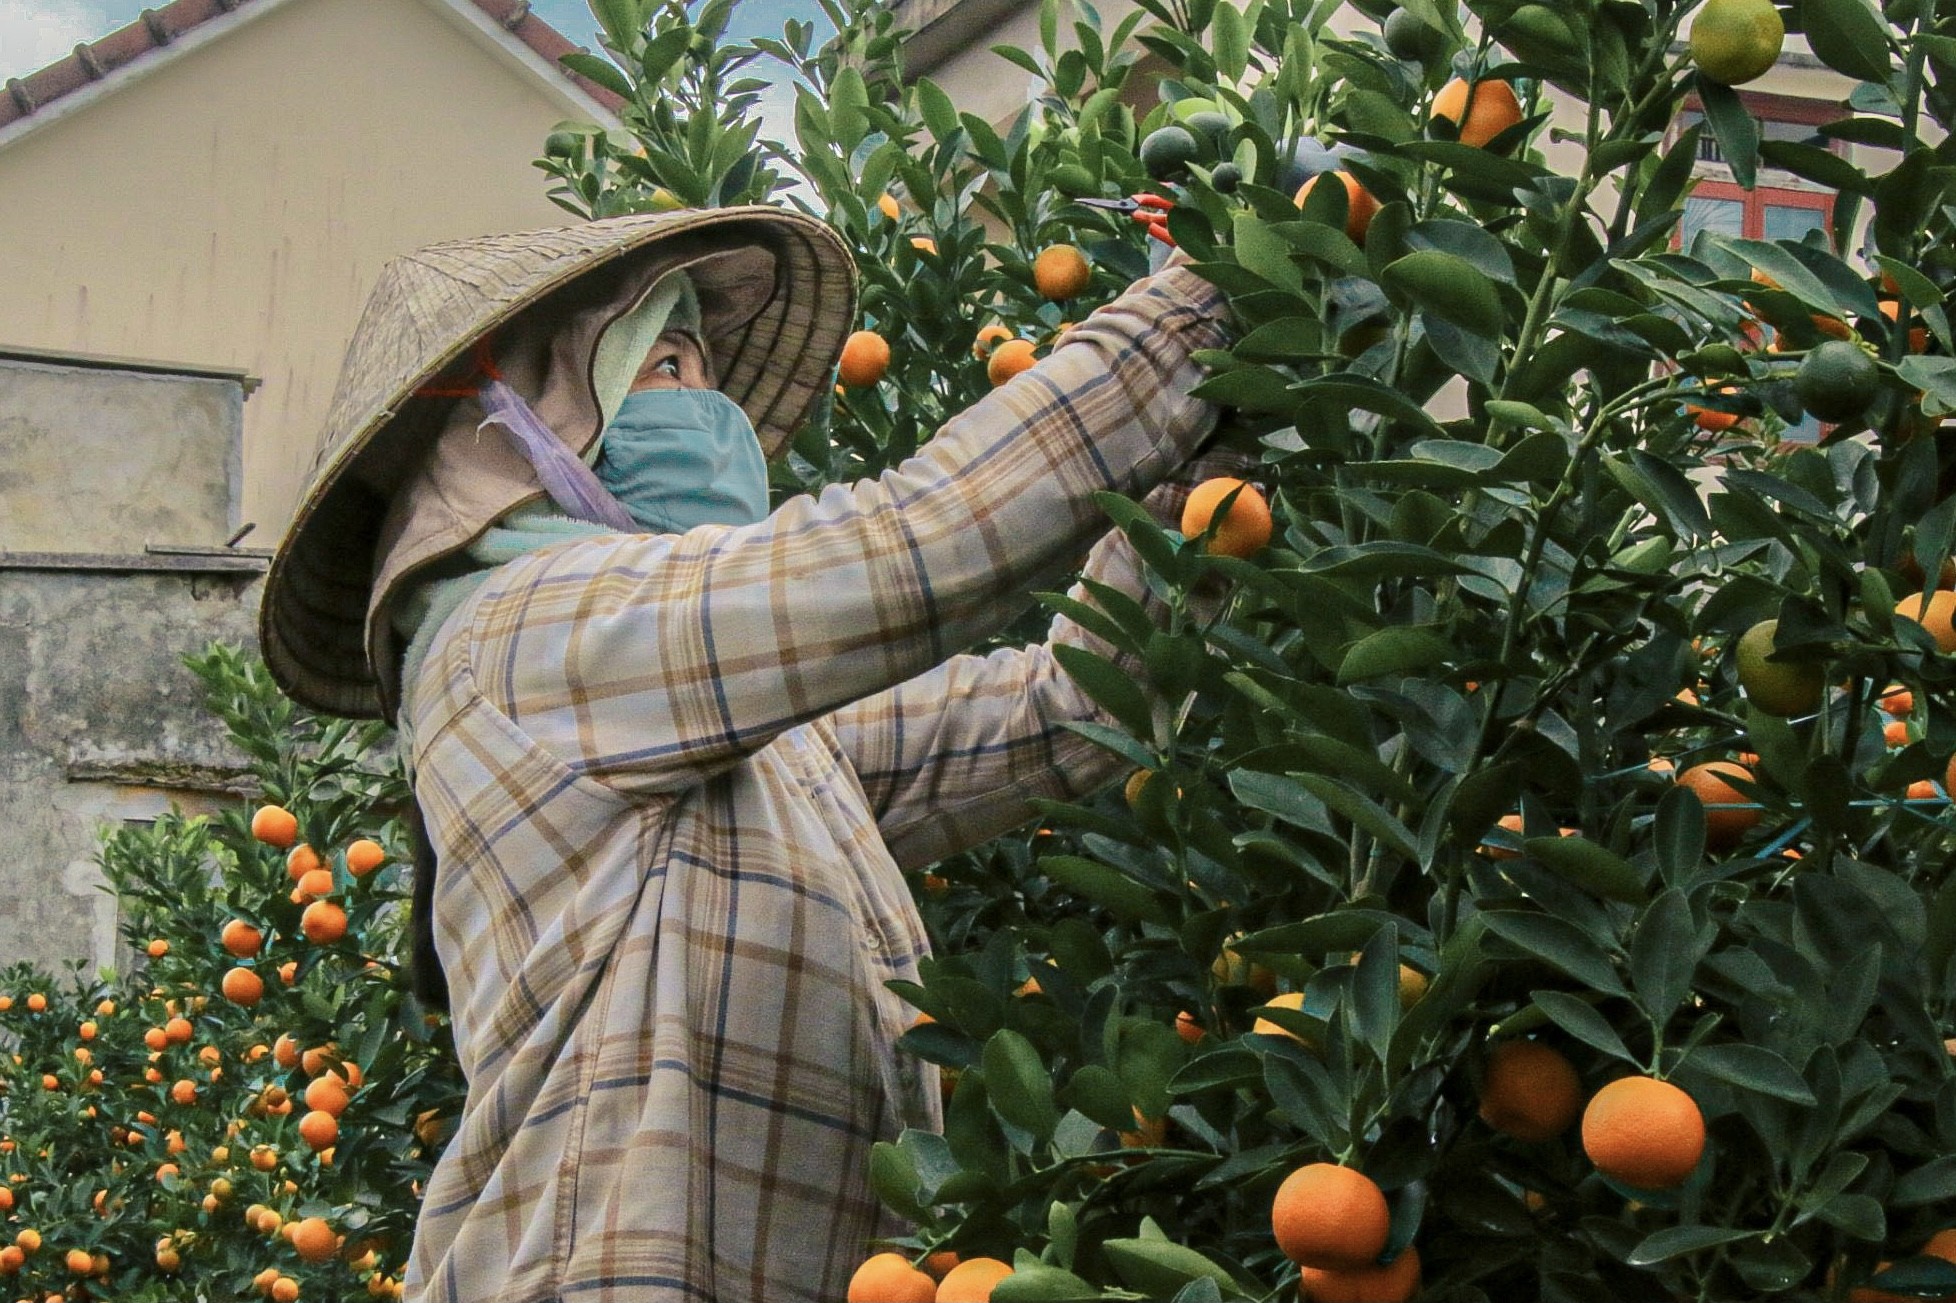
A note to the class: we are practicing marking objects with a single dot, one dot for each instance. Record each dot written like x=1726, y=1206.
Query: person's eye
x=667, y=366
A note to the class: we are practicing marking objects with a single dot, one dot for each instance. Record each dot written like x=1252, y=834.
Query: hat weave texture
x=774, y=342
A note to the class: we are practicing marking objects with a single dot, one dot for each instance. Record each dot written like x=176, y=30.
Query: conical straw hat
x=774, y=319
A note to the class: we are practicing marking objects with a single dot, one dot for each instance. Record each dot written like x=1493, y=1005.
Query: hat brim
x=775, y=351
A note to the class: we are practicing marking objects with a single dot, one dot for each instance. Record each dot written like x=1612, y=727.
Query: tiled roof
x=92, y=61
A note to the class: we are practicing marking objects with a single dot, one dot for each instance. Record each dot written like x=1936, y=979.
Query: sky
x=37, y=32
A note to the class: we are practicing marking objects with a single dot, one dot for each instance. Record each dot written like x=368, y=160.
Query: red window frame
x=1758, y=199
x=1767, y=107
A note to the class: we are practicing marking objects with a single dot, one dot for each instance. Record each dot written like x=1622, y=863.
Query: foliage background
x=1480, y=613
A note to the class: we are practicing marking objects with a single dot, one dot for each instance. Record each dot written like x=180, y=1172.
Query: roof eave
x=578, y=97
x=180, y=44
x=515, y=35
x=942, y=28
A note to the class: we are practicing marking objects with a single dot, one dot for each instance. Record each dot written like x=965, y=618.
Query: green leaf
x=1382, y=560
x=1772, y=1266
x=1580, y=1019
x=1249, y=389
x=1861, y=1216
x=1108, y=685
x=1098, y=1093
x=1203, y=1290
x=1229, y=1066
x=1363, y=811
x=1396, y=650
x=600, y=70
x=1665, y=191
x=1415, y=473
x=1752, y=1067
x=1904, y=198
x=1042, y=1283
x=1919, y=290
x=1449, y=287
x=1157, y=1268
x=1922, y=1276
x=1733, y=126
x=661, y=52
x=623, y=21
x=1465, y=240
x=1374, y=1005
x=1483, y=797
x=1792, y=274
x=1113, y=739
x=939, y=114
x=1590, y=866
x=1524, y=416
x=1820, y=166
x=1561, y=944
x=1147, y=1054
x=1664, y=953
x=1678, y=1241
x=1062, y=1235
x=1230, y=39
x=1109, y=888
x=1494, y=169
x=1362, y=767
x=895, y=1180
x=1350, y=390
x=1933, y=1182
x=1021, y=1089
x=1286, y=339
x=1680, y=835
x=1341, y=931
x=1848, y=36
x=1091, y=618
x=1935, y=375
x=1664, y=489
x=1261, y=250
x=1939, y=942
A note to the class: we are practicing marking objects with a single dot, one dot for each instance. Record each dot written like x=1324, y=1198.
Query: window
x=1780, y=207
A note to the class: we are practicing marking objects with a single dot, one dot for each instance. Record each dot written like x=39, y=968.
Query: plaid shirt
x=673, y=781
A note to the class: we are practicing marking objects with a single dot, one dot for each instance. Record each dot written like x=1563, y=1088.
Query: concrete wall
x=162, y=449
x=99, y=720
x=231, y=207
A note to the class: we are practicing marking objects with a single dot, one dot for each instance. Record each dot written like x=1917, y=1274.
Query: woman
x=674, y=764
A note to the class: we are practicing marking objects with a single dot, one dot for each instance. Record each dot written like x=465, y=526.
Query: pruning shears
x=1151, y=211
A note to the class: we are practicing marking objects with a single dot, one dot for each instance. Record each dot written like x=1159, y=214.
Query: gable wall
x=231, y=208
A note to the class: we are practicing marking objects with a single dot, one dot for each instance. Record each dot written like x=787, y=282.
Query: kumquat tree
x=1534, y=879
x=250, y=1112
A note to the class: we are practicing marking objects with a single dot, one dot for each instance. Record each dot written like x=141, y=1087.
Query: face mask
x=678, y=458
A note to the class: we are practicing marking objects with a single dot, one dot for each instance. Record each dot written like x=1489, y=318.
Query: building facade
x=195, y=208
x=217, y=186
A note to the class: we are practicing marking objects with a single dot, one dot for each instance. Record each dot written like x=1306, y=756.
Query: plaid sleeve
x=957, y=755
x=651, y=662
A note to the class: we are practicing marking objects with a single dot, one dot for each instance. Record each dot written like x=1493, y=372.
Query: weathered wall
x=99, y=719
x=162, y=449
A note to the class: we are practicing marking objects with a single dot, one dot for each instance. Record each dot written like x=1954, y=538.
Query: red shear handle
x=1153, y=214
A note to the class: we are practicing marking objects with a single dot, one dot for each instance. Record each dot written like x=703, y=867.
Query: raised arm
x=651, y=662
x=957, y=754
